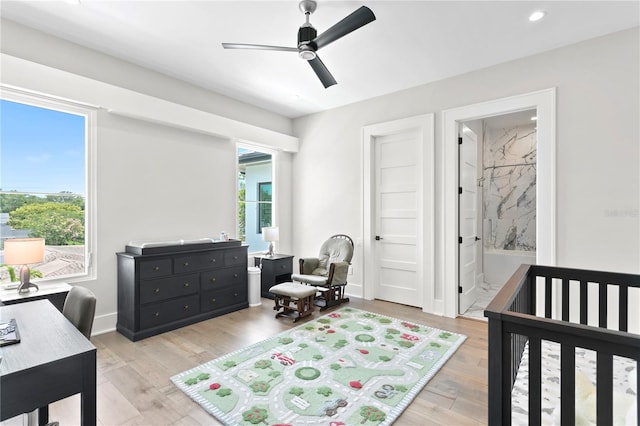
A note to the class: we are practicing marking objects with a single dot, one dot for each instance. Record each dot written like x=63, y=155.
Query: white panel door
x=468, y=219
x=396, y=223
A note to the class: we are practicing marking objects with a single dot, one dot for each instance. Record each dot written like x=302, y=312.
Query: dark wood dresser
x=161, y=288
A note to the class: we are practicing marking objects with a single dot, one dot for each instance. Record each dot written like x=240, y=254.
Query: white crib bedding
x=624, y=384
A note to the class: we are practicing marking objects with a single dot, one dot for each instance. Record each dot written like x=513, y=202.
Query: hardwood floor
x=134, y=387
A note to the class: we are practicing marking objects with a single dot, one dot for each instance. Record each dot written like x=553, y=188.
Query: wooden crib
x=561, y=297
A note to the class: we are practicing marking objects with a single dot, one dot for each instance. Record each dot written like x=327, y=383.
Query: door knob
x=477, y=239
x=378, y=238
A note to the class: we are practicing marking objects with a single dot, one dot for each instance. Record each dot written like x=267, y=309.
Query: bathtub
x=499, y=265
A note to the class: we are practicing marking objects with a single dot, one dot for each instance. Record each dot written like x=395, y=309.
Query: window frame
x=274, y=185
x=90, y=115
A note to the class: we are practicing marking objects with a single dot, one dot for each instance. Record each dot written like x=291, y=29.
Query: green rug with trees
x=349, y=367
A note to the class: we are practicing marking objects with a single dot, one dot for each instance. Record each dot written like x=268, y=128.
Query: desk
x=55, y=293
x=52, y=361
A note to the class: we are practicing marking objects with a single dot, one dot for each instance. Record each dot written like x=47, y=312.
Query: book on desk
x=9, y=333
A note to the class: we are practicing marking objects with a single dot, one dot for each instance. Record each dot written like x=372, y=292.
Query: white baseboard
x=104, y=323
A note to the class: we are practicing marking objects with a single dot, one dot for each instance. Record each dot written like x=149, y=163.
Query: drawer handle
x=213, y=280
x=186, y=307
x=186, y=284
x=185, y=264
x=235, y=275
x=235, y=294
x=157, y=290
x=156, y=268
x=213, y=300
x=235, y=257
x=213, y=260
x=157, y=314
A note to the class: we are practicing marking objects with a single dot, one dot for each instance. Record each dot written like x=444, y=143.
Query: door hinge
x=459, y=240
x=460, y=289
x=459, y=140
x=459, y=190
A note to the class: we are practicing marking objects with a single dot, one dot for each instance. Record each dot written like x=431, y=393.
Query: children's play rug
x=349, y=367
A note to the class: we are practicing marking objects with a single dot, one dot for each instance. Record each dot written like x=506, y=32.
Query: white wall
x=598, y=177
x=154, y=182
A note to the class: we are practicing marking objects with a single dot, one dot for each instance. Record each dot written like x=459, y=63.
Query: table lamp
x=270, y=234
x=22, y=251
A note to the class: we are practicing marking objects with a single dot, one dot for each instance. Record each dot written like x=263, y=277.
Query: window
x=44, y=182
x=255, y=196
x=264, y=205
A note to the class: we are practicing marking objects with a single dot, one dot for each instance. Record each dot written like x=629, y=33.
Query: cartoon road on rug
x=348, y=367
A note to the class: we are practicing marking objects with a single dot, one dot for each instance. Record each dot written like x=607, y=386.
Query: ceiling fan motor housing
x=306, y=34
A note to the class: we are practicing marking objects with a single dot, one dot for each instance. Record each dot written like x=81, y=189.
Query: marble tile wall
x=509, y=188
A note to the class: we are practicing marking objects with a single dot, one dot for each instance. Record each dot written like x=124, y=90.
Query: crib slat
x=604, y=390
x=565, y=299
x=623, y=309
x=507, y=380
x=547, y=297
x=584, y=302
x=602, y=316
x=567, y=384
x=535, y=375
x=637, y=388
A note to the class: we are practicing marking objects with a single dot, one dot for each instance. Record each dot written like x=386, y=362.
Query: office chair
x=79, y=308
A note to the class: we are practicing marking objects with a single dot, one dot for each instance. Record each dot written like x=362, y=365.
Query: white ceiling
x=411, y=42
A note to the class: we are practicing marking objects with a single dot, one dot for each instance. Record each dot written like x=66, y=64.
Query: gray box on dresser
x=164, y=288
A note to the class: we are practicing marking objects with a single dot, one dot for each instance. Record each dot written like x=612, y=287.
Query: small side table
x=55, y=293
x=275, y=270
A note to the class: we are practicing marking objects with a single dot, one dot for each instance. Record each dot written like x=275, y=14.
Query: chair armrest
x=338, y=273
x=308, y=264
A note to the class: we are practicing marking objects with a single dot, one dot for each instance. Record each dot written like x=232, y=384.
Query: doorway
x=497, y=205
x=544, y=103
x=398, y=203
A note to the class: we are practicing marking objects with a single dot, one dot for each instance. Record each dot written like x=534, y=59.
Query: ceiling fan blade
x=258, y=47
x=352, y=22
x=322, y=72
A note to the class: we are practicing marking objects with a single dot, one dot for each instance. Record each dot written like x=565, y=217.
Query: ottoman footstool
x=295, y=300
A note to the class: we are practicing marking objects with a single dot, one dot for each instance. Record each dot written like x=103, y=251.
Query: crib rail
x=513, y=322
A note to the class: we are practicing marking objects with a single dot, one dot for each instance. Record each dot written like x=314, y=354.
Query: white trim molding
x=544, y=102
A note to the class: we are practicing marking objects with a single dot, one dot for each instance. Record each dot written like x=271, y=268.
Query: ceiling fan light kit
x=309, y=41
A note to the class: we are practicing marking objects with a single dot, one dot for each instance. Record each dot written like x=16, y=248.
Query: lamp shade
x=271, y=233
x=21, y=251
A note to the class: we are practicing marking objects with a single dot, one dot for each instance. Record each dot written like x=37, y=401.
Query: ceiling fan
x=309, y=41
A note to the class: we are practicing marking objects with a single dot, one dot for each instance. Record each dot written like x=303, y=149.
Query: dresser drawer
x=214, y=300
x=196, y=262
x=171, y=310
x=235, y=257
x=167, y=288
x=282, y=266
x=155, y=268
x=220, y=278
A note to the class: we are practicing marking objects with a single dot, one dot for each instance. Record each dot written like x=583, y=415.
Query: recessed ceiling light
x=537, y=15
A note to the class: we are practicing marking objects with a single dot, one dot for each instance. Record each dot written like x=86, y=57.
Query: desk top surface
x=12, y=294
x=45, y=336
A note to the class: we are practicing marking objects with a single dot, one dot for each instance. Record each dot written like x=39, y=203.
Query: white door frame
x=426, y=223
x=544, y=101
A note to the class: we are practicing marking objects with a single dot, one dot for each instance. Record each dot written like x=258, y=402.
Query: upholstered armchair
x=328, y=272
